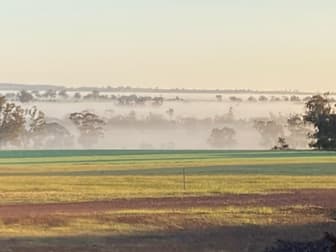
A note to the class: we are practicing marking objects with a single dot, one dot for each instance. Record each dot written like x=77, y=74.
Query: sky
x=228, y=44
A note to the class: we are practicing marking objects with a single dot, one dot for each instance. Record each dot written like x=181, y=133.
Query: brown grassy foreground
x=247, y=222
x=135, y=201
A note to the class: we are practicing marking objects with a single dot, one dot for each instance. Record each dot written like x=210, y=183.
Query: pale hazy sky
x=258, y=44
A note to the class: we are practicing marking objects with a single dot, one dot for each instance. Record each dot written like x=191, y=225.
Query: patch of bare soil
x=318, y=198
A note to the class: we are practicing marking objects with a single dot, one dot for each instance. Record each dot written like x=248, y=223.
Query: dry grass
x=40, y=189
x=130, y=222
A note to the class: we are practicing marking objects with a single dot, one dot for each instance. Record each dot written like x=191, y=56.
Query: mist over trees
x=11, y=123
x=156, y=121
x=222, y=138
x=90, y=127
x=28, y=128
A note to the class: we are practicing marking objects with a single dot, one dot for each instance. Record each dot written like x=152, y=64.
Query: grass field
x=112, y=197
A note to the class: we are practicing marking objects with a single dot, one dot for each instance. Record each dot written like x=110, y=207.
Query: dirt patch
x=318, y=198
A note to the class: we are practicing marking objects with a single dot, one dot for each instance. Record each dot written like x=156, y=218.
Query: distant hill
x=17, y=87
x=127, y=89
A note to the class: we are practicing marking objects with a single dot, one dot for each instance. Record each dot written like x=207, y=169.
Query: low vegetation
x=53, y=198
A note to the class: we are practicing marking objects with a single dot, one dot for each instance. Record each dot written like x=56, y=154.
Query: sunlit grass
x=129, y=175
x=43, y=189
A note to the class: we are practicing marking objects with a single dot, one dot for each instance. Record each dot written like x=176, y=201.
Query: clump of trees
x=90, y=127
x=220, y=138
x=28, y=128
x=295, y=98
x=235, y=99
x=219, y=98
x=263, y=98
x=170, y=112
x=281, y=145
x=49, y=94
x=25, y=96
x=298, y=131
x=269, y=130
x=321, y=114
x=252, y=99
x=11, y=123
x=63, y=94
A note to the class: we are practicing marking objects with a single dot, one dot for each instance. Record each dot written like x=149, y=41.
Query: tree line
x=318, y=124
x=30, y=128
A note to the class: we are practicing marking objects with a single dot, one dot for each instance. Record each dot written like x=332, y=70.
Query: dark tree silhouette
x=282, y=144
x=11, y=123
x=320, y=113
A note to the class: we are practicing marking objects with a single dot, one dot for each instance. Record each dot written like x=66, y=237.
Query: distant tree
x=320, y=113
x=285, y=98
x=77, y=96
x=51, y=135
x=220, y=138
x=40, y=134
x=295, y=98
x=28, y=128
x=269, y=130
x=11, y=123
x=36, y=93
x=170, y=113
x=235, y=99
x=50, y=94
x=251, y=99
x=90, y=127
x=95, y=94
x=219, y=98
x=317, y=107
x=63, y=94
x=298, y=131
x=157, y=101
x=230, y=115
x=263, y=98
x=281, y=145
x=34, y=119
x=24, y=96
x=275, y=99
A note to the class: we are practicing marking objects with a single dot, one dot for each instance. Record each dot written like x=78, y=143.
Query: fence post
x=184, y=179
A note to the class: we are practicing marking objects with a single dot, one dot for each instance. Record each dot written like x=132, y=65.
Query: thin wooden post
x=184, y=179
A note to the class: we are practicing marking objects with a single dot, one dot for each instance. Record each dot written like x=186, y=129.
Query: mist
x=170, y=121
